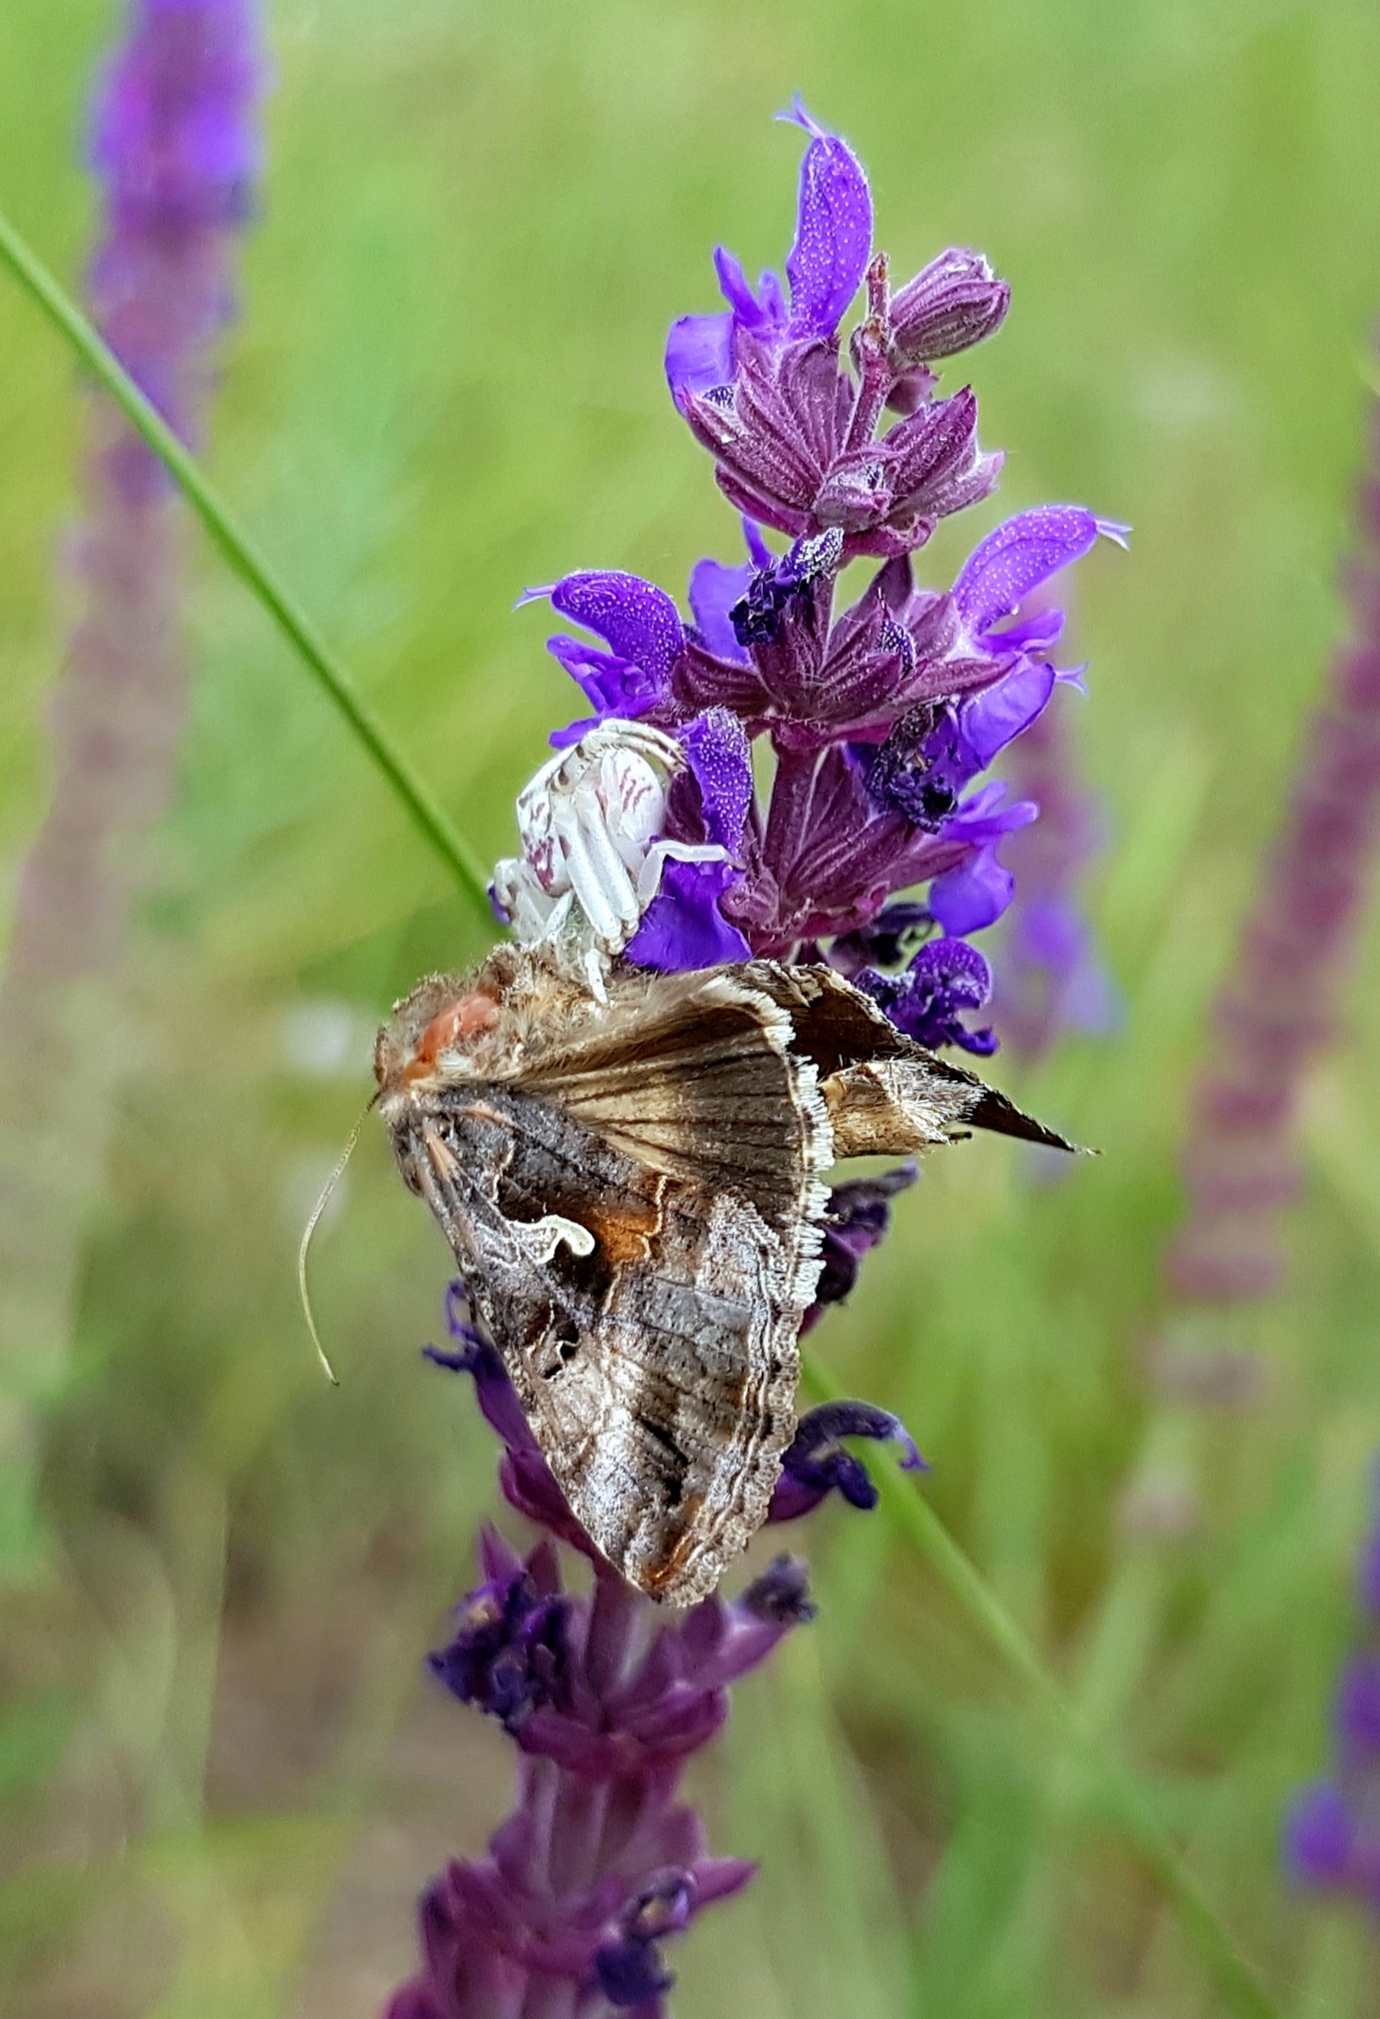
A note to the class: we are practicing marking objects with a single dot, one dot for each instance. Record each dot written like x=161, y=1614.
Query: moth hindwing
x=632, y=1191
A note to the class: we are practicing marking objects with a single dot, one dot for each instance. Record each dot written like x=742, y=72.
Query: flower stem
x=44, y=289
x=913, y=1517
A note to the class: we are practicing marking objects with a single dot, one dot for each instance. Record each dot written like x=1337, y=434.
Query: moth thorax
x=468, y=1017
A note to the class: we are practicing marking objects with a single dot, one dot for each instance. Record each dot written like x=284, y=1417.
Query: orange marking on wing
x=623, y=1235
x=668, y=1572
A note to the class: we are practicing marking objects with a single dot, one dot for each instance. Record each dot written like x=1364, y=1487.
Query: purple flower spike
x=172, y=135
x=1021, y=554
x=946, y=979
x=817, y=1463
x=876, y=834
x=833, y=237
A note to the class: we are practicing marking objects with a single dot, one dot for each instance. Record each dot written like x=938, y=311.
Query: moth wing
x=638, y=1217
x=697, y=1076
x=886, y=1095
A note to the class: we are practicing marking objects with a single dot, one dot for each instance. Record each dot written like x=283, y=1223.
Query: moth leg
x=893, y=1106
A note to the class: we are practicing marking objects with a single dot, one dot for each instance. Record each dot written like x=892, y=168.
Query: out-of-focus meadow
x=225, y=1777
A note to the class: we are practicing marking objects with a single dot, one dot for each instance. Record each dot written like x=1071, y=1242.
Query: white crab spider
x=592, y=859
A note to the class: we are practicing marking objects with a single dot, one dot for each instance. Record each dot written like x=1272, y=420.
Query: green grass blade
x=249, y=564
x=914, y=1519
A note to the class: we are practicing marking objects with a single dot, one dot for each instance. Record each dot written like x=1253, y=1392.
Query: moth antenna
x=317, y=1210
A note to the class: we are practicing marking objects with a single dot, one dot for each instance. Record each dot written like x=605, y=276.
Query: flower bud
x=951, y=304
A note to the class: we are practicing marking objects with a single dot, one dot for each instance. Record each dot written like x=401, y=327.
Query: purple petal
x=817, y=1463
x=990, y=720
x=718, y=754
x=946, y=978
x=1035, y=633
x=683, y=928
x=986, y=816
x=761, y=313
x=1019, y=555
x=612, y=686
x=972, y=896
x=833, y=236
x=635, y=619
x=718, y=1878
x=714, y=589
x=498, y=1401
x=699, y=354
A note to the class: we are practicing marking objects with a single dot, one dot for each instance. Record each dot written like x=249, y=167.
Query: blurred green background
x=224, y=1777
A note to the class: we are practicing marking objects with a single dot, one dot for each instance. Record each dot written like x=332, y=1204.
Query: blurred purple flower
x=1049, y=979
x=173, y=143
x=1279, y=1005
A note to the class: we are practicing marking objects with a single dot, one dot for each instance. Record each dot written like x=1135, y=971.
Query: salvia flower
x=1332, y=1834
x=607, y=1697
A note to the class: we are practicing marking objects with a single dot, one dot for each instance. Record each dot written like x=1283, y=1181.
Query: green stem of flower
x=43, y=288
x=913, y=1517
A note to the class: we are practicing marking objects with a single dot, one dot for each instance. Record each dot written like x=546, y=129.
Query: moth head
x=434, y=1033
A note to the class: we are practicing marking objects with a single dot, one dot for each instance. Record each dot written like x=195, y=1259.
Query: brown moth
x=632, y=1191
